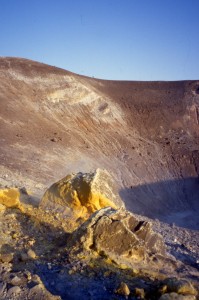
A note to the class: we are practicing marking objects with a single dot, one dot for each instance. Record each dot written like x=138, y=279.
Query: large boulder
x=117, y=235
x=79, y=195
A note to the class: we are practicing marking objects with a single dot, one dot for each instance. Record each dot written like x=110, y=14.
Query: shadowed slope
x=173, y=201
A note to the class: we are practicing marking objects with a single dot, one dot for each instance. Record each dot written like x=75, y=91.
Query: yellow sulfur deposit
x=10, y=197
x=81, y=204
x=79, y=195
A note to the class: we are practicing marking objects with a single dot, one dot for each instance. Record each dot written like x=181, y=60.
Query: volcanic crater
x=145, y=134
x=54, y=122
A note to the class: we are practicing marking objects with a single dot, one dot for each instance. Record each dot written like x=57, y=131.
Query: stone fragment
x=27, y=275
x=31, y=254
x=16, y=280
x=14, y=236
x=6, y=257
x=175, y=296
x=180, y=286
x=117, y=235
x=163, y=289
x=13, y=292
x=140, y=293
x=10, y=197
x=40, y=292
x=79, y=195
x=123, y=289
x=36, y=279
x=31, y=242
x=24, y=257
x=2, y=289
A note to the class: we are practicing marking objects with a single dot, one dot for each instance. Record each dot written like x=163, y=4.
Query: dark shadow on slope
x=171, y=201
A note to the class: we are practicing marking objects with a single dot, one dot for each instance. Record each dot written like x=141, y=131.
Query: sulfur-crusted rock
x=79, y=195
x=10, y=197
x=117, y=235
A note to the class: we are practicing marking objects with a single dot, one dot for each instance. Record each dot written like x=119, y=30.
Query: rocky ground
x=36, y=262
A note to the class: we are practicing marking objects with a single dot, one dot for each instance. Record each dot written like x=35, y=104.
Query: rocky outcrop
x=79, y=195
x=119, y=236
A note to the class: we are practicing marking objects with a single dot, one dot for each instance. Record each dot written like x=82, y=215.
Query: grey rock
x=14, y=292
x=18, y=280
x=6, y=257
x=40, y=292
x=180, y=286
x=2, y=289
x=24, y=257
x=175, y=296
x=118, y=235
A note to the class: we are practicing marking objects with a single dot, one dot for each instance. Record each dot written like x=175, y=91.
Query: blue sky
x=109, y=39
